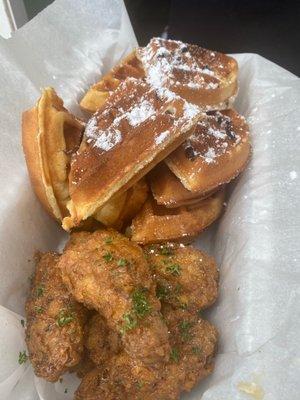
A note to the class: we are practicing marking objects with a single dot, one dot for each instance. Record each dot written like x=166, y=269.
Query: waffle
x=98, y=93
x=203, y=77
x=50, y=134
x=155, y=224
x=218, y=151
x=169, y=191
x=134, y=131
x=124, y=206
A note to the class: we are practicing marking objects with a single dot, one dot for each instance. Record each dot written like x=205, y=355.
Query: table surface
x=266, y=27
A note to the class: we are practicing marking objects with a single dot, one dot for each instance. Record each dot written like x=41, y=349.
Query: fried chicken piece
x=100, y=341
x=194, y=343
x=54, y=333
x=191, y=359
x=108, y=273
x=186, y=277
x=129, y=379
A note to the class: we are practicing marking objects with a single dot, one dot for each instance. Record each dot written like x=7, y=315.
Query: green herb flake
x=108, y=257
x=175, y=355
x=22, y=357
x=174, y=269
x=196, y=350
x=162, y=293
x=141, y=304
x=130, y=322
x=66, y=390
x=40, y=290
x=108, y=240
x=183, y=306
x=185, y=327
x=166, y=250
x=38, y=309
x=64, y=317
x=122, y=262
x=22, y=322
x=139, y=385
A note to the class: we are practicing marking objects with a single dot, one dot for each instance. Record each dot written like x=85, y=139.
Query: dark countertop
x=269, y=28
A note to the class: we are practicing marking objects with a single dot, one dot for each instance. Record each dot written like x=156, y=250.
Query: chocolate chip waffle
x=214, y=154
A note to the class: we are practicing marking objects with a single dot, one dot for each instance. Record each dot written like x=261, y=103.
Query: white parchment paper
x=256, y=243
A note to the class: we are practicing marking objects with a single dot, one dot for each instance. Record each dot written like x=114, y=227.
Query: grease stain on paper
x=254, y=390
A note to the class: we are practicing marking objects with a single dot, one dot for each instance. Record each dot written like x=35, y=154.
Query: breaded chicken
x=54, y=333
x=101, y=342
x=193, y=341
x=108, y=273
x=126, y=378
x=186, y=277
x=191, y=359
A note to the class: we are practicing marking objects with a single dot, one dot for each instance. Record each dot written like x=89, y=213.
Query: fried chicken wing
x=108, y=273
x=54, y=333
x=186, y=277
x=191, y=359
x=101, y=342
x=194, y=342
x=128, y=379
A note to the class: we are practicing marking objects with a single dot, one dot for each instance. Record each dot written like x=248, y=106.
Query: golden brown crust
x=117, y=152
x=34, y=165
x=186, y=277
x=156, y=224
x=217, y=152
x=54, y=331
x=169, y=191
x=49, y=134
x=201, y=76
x=96, y=96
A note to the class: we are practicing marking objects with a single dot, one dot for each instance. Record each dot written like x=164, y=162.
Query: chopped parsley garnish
x=140, y=309
x=64, y=317
x=108, y=240
x=141, y=304
x=66, y=390
x=166, y=250
x=108, y=257
x=22, y=357
x=38, y=309
x=197, y=350
x=40, y=290
x=130, y=322
x=122, y=262
x=175, y=355
x=22, y=322
x=185, y=327
x=139, y=384
x=183, y=306
x=174, y=269
x=162, y=292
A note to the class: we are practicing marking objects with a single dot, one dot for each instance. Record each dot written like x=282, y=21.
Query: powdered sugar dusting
x=162, y=137
x=140, y=113
x=213, y=137
x=210, y=155
x=108, y=139
x=104, y=140
x=190, y=110
x=163, y=60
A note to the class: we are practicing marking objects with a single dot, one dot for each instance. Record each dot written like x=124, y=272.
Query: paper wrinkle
x=256, y=244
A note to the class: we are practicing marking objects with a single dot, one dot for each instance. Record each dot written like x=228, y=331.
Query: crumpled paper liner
x=256, y=243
